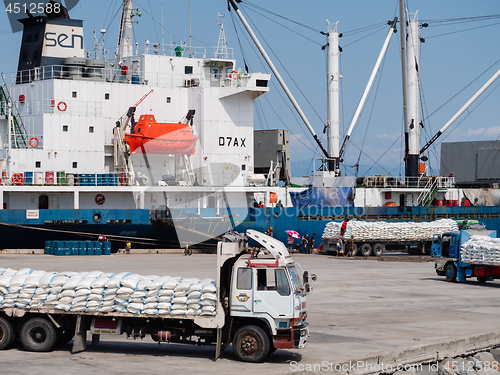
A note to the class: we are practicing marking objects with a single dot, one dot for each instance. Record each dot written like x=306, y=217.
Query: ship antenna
x=221, y=44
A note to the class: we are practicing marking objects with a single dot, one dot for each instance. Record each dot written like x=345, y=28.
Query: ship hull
x=157, y=229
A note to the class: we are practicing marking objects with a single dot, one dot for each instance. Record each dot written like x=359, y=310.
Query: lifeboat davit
x=151, y=137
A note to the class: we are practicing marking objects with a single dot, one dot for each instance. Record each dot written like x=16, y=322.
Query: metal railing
x=173, y=50
x=116, y=75
x=384, y=181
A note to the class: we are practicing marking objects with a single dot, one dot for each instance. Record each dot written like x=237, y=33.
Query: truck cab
x=267, y=300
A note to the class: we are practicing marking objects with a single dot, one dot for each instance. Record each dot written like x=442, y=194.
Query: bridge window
x=38, y=164
x=65, y=128
x=188, y=70
x=73, y=94
x=106, y=96
x=91, y=129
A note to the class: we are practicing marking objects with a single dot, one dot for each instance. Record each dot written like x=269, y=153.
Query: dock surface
x=359, y=310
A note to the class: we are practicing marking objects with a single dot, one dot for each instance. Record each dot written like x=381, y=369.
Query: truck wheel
x=251, y=344
x=38, y=335
x=366, y=250
x=378, y=249
x=451, y=272
x=481, y=279
x=7, y=334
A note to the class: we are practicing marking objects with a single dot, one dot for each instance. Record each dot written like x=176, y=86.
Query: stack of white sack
x=105, y=292
x=390, y=232
x=481, y=250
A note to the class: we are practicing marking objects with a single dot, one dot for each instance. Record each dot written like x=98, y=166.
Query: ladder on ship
x=121, y=155
x=429, y=193
x=19, y=136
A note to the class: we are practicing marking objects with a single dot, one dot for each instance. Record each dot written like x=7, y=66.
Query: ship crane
x=368, y=86
x=460, y=112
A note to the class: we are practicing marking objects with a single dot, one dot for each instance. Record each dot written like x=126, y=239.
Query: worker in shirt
x=269, y=231
x=128, y=245
x=343, y=228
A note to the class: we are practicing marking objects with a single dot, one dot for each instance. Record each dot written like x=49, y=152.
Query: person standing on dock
x=312, y=242
x=305, y=243
x=290, y=241
x=127, y=247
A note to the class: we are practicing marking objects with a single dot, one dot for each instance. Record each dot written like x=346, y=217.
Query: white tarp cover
x=389, y=232
x=105, y=292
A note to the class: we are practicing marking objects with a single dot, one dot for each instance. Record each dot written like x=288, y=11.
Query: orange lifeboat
x=151, y=137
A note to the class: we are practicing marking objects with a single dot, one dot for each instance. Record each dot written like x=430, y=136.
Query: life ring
x=35, y=143
x=62, y=106
x=99, y=199
x=17, y=179
x=233, y=75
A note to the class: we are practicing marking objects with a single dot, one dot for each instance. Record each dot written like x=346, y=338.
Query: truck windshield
x=296, y=279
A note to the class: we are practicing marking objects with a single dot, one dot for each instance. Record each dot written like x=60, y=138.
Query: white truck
x=373, y=237
x=260, y=306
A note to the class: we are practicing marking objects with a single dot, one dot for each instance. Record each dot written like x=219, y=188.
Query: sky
x=457, y=58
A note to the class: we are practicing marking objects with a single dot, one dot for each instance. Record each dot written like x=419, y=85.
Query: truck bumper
x=303, y=334
x=295, y=338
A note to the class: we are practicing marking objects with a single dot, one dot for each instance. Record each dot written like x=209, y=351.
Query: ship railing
x=172, y=50
x=62, y=106
x=51, y=178
x=134, y=77
x=386, y=181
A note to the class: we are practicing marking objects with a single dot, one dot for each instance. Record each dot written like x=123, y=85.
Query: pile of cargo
x=390, y=232
x=106, y=292
x=481, y=250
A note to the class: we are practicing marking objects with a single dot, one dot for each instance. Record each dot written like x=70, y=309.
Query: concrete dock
x=362, y=313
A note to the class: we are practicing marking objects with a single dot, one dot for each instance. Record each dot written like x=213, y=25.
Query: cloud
x=492, y=131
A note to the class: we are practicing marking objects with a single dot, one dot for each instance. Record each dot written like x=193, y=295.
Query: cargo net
x=97, y=292
x=390, y=232
x=481, y=250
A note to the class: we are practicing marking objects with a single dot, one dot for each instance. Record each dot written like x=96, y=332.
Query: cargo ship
x=75, y=163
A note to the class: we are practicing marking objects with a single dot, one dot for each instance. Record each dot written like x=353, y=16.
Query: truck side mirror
x=314, y=277
x=308, y=288
x=305, y=277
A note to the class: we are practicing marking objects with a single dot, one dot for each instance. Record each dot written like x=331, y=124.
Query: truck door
x=272, y=292
x=242, y=296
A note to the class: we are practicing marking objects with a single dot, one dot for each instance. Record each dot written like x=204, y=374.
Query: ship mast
x=402, y=30
x=333, y=78
x=413, y=110
x=125, y=48
x=278, y=76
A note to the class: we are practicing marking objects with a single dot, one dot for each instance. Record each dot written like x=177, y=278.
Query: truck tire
x=451, y=272
x=38, y=335
x=482, y=279
x=7, y=334
x=251, y=344
x=366, y=250
x=378, y=249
